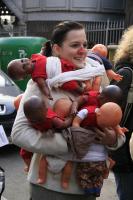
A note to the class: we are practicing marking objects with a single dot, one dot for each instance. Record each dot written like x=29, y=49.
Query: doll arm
x=120, y=130
x=88, y=85
x=109, y=138
x=43, y=87
x=79, y=117
x=76, y=122
x=112, y=75
x=78, y=102
x=61, y=124
x=96, y=83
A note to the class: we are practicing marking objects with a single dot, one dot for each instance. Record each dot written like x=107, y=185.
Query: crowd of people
x=76, y=123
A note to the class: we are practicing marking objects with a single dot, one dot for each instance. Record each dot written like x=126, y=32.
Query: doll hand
x=124, y=129
x=118, y=77
x=50, y=97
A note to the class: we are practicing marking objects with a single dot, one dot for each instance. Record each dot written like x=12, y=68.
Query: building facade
x=37, y=17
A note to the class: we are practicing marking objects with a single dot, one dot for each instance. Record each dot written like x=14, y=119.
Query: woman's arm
x=109, y=138
x=25, y=136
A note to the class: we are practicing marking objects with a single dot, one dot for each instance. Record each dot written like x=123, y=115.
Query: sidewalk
x=2, y=198
x=109, y=189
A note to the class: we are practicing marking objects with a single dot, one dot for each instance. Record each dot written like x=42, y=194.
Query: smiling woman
x=68, y=44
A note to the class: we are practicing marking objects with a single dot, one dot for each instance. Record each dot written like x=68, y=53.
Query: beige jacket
x=23, y=135
x=26, y=137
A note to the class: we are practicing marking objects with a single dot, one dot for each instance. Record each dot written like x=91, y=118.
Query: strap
x=129, y=103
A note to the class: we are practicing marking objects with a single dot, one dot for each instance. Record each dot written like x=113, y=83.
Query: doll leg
x=109, y=163
x=66, y=174
x=42, y=174
x=26, y=155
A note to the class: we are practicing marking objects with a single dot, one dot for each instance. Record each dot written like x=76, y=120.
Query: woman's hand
x=106, y=136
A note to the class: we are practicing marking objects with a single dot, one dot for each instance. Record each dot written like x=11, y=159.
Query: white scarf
x=56, y=78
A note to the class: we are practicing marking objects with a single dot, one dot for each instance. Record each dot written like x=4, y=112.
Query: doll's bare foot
x=26, y=169
x=64, y=185
x=40, y=181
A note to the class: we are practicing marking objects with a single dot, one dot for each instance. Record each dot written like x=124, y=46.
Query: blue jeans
x=124, y=185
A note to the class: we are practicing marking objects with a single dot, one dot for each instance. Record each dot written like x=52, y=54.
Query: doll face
x=19, y=68
x=109, y=115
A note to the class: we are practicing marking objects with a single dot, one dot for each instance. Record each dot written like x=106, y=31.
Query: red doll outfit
x=41, y=127
x=48, y=122
x=39, y=66
x=40, y=70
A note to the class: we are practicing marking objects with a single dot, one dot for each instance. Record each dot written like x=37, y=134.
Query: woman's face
x=74, y=47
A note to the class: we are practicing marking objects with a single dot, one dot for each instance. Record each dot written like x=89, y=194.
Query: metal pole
x=107, y=31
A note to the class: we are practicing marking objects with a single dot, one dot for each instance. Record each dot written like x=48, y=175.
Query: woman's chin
x=80, y=65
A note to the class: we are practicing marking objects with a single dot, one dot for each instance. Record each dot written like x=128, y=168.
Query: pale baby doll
x=93, y=99
x=99, y=53
x=19, y=69
x=91, y=173
x=43, y=118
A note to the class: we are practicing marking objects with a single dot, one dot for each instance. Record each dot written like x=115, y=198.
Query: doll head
x=35, y=109
x=109, y=115
x=111, y=93
x=100, y=49
x=62, y=107
x=17, y=69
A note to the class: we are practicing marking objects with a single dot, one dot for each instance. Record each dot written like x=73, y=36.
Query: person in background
x=123, y=169
x=68, y=41
x=99, y=53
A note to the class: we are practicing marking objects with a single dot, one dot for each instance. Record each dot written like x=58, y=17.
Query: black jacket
x=122, y=156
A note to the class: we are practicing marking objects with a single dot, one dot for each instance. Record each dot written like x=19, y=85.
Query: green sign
x=18, y=47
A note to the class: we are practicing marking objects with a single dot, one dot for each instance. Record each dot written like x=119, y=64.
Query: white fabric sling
x=56, y=78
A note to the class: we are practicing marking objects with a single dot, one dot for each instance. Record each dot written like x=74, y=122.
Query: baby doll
x=43, y=118
x=91, y=172
x=18, y=69
x=99, y=53
x=91, y=103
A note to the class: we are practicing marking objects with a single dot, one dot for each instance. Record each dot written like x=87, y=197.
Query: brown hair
x=59, y=34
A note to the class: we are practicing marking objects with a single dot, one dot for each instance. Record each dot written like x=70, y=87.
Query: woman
x=123, y=169
x=68, y=43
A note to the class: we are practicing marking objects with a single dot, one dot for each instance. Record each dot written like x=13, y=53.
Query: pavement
x=108, y=190
x=3, y=198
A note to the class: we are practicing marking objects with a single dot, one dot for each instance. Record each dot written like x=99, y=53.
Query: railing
x=105, y=32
